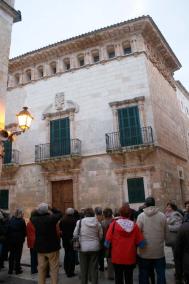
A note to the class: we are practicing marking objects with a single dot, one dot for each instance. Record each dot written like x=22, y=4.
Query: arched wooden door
x=62, y=194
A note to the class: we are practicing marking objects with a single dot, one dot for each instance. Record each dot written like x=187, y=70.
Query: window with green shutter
x=8, y=152
x=136, y=192
x=129, y=126
x=4, y=199
x=60, y=137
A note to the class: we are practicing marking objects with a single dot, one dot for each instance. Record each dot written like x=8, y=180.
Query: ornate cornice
x=129, y=101
x=182, y=88
x=142, y=25
x=16, y=15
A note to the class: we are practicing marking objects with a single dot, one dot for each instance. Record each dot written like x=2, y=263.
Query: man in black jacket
x=47, y=241
x=182, y=254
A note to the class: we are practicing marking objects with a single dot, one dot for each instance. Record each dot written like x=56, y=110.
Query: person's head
x=89, y=212
x=171, y=206
x=116, y=212
x=149, y=201
x=125, y=211
x=33, y=213
x=98, y=213
x=126, y=204
x=107, y=212
x=70, y=211
x=19, y=213
x=43, y=208
x=186, y=204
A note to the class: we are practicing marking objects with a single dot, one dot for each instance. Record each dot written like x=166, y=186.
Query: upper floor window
x=129, y=126
x=40, y=71
x=28, y=75
x=53, y=68
x=81, y=60
x=17, y=78
x=95, y=55
x=66, y=62
x=111, y=51
x=60, y=137
x=126, y=48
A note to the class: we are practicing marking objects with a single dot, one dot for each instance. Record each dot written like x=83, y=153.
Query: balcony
x=58, y=154
x=10, y=162
x=130, y=139
x=11, y=157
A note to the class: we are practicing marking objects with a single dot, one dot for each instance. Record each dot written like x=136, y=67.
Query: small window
x=28, y=75
x=66, y=64
x=187, y=111
x=53, y=68
x=95, y=56
x=81, y=60
x=126, y=48
x=111, y=51
x=4, y=199
x=17, y=78
x=136, y=192
x=40, y=71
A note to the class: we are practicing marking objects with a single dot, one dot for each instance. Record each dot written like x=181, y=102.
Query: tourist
x=16, y=233
x=186, y=213
x=174, y=221
x=90, y=236
x=67, y=226
x=124, y=236
x=107, y=220
x=47, y=242
x=30, y=230
x=99, y=216
x=154, y=226
x=182, y=254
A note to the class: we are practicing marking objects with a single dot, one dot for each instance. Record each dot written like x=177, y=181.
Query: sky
x=45, y=22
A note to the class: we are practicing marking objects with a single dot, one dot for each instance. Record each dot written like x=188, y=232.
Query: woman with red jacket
x=124, y=236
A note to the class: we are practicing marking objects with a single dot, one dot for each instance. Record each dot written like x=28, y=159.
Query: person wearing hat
x=47, y=241
x=153, y=225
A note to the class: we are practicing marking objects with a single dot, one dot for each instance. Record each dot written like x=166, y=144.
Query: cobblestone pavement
x=27, y=278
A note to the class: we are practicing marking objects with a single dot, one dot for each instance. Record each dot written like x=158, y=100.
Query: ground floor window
x=4, y=199
x=136, y=193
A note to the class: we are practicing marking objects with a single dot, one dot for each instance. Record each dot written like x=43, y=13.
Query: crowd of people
x=92, y=238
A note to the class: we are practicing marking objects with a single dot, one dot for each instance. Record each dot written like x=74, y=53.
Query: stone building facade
x=108, y=125
x=7, y=16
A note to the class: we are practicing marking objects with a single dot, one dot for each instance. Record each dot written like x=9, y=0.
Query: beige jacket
x=154, y=227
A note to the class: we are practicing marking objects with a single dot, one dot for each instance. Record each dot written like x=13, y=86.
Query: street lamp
x=24, y=123
x=24, y=119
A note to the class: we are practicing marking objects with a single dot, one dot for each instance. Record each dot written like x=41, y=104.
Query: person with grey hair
x=67, y=226
x=47, y=241
x=16, y=234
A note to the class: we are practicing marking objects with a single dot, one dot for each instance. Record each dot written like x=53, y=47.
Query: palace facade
x=110, y=122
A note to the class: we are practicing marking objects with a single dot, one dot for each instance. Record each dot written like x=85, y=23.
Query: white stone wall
x=92, y=89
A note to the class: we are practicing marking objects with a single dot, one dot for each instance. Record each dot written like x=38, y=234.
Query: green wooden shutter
x=4, y=199
x=136, y=190
x=8, y=152
x=129, y=126
x=60, y=137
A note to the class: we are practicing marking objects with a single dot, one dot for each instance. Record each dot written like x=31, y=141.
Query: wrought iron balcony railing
x=71, y=147
x=129, y=138
x=11, y=157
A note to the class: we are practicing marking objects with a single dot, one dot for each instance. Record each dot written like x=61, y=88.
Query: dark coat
x=3, y=231
x=47, y=238
x=182, y=250
x=67, y=226
x=16, y=231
